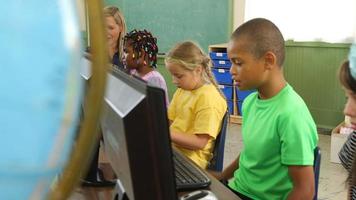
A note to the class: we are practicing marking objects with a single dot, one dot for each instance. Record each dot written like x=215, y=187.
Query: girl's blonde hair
x=112, y=11
x=189, y=55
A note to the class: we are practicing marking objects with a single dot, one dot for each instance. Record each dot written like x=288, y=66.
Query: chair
x=216, y=163
x=316, y=167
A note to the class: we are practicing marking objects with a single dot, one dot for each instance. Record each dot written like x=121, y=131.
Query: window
x=308, y=20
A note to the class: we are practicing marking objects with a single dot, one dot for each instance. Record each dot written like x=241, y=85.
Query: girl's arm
x=192, y=142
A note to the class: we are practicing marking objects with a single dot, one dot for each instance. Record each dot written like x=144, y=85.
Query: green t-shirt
x=276, y=132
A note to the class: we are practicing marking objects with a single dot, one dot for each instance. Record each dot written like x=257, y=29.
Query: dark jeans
x=243, y=197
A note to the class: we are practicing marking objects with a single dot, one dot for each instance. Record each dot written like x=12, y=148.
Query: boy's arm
x=303, y=182
x=228, y=172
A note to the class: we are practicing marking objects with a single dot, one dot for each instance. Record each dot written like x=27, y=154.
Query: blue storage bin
x=230, y=106
x=239, y=107
x=222, y=63
x=222, y=76
x=242, y=94
x=218, y=56
x=227, y=90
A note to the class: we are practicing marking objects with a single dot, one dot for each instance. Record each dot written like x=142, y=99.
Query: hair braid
x=144, y=40
x=206, y=63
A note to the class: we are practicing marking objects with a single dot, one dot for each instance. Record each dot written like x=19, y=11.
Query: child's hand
x=346, y=130
x=337, y=129
x=217, y=175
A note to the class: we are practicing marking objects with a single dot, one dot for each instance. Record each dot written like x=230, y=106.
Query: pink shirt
x=156, y=79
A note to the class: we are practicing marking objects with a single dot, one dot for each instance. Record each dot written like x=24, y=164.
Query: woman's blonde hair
x=189, y=55
x=112, y=11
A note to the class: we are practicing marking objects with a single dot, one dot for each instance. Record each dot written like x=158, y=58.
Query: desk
x=92, y=193
x=220, y=190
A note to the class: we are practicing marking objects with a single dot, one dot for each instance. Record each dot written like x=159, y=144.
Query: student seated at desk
x=198, y=106
x=140, y=57
x=278, y=131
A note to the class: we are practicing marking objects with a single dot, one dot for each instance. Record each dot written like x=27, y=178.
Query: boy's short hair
x=262, y=36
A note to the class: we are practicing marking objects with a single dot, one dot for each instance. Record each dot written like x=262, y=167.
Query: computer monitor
x=136, y=137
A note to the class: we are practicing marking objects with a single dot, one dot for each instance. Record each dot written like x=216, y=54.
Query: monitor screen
x=136, y=137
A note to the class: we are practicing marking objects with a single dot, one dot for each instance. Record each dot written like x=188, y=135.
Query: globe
x=40, y=92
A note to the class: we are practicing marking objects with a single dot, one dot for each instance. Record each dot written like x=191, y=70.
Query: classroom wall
x=173, y=21
x=311, y=68
x=238, y=13
x=162, y=69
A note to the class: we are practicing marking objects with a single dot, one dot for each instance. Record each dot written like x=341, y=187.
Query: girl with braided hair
x=140, y=57
x=198, y=106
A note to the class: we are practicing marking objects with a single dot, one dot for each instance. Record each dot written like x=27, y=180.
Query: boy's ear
x=270, y=59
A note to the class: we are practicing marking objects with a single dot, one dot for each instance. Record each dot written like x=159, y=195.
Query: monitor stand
x=95, y=177
x=119, y=191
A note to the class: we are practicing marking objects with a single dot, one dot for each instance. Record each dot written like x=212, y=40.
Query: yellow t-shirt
x=194, y=112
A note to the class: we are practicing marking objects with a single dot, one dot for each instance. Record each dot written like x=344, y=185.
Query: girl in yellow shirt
x=198, y=106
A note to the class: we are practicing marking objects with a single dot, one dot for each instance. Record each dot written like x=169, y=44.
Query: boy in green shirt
x=278, y=131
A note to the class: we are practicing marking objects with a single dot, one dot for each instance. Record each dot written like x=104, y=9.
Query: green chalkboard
x=204, y=21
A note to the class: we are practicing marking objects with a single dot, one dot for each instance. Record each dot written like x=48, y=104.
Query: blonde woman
x=116, y=30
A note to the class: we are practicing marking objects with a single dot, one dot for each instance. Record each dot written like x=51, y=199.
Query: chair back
x=316, y=167
x=217, y=161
